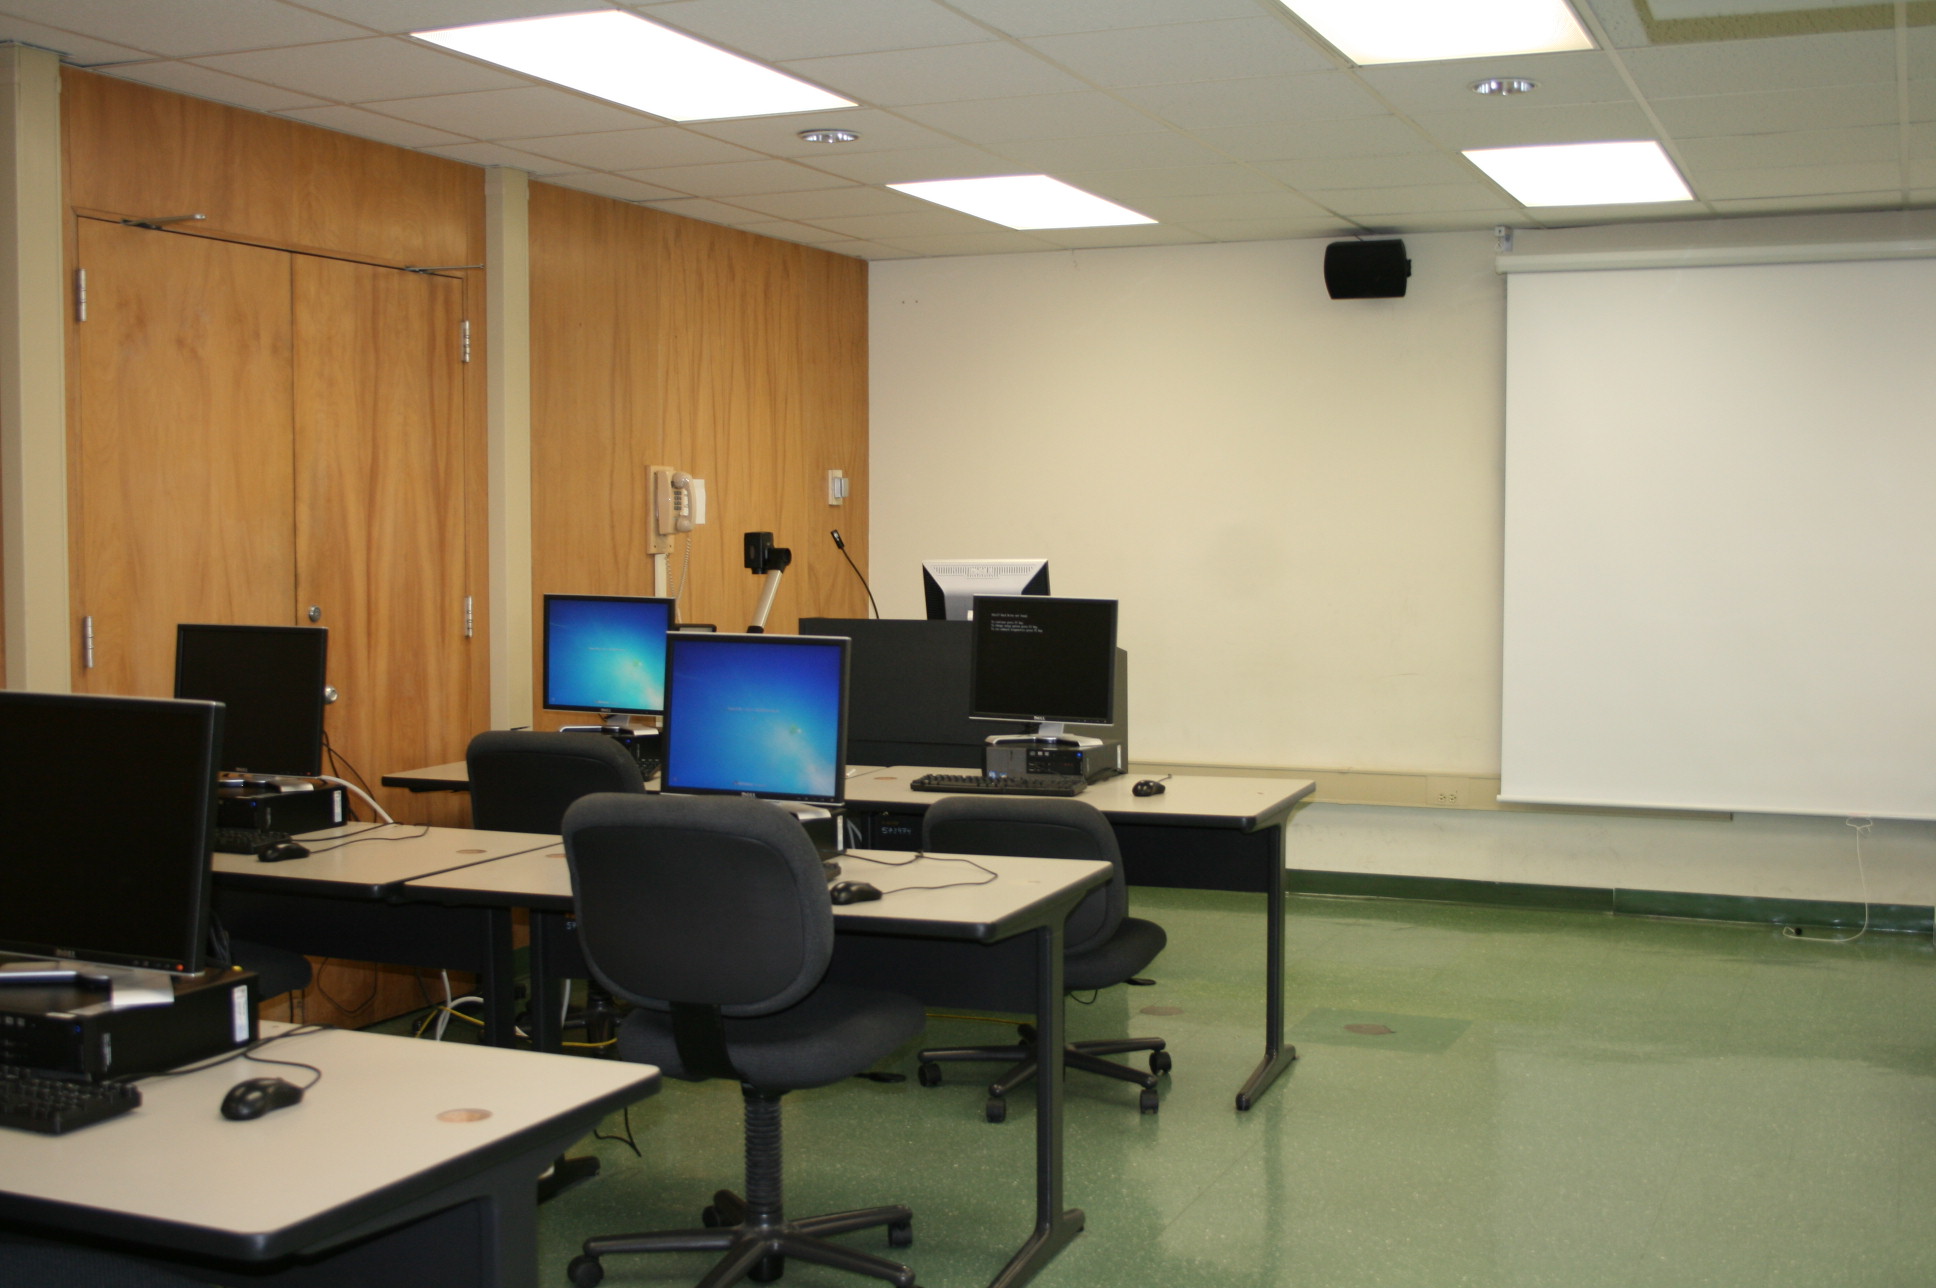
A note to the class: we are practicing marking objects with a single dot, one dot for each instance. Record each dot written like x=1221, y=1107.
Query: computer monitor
x=606, y=653
x=952, y=584
x=756, y=715
x=1049, y=660
x=272, y=679
x=108, y=870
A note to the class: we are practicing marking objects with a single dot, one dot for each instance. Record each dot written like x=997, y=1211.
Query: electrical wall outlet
x=1448, y=792
x=836, y=487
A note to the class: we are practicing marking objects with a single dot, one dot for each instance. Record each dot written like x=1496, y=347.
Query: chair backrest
x=523, y=781
x=698, y=901
x=1040, y=827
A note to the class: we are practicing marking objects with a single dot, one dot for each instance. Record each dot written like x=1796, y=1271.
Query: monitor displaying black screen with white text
x=756, y=715
x=1044, y=659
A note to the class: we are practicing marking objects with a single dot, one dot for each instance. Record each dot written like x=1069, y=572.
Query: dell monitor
x=756, y=715
x=116, y=874
x=1052, y=661
x=606, y=653
x=273, y=680
x=952, y=584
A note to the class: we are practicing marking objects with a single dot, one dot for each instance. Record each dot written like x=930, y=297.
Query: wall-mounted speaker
x=1366, y=270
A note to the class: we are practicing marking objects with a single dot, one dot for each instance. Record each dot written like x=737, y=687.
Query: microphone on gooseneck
x=842, y=547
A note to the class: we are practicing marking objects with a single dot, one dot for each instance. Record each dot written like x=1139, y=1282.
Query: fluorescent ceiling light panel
x=1424, y=31
x=1023, y=201
x=625, y=59
x=1583, y=174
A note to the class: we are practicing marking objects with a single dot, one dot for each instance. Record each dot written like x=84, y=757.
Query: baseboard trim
x=1831, y=914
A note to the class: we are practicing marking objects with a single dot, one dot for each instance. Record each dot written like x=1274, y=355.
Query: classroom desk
x=372, y=1180
x=342, y=901
x=1256, y=808
x=1029, y=896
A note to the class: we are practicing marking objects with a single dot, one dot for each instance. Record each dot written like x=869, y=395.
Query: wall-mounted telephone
x=678, y=505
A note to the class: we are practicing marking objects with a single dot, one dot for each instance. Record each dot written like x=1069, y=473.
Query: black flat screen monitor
x=606, y=653
x=756, y=715
x=272, y=680
x=952, y=584
x=111, y=872
x=1044, y=659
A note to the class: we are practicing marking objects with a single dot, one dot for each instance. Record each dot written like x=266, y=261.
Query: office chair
x=523, y=781
x=710, y=915
x=1102, y=945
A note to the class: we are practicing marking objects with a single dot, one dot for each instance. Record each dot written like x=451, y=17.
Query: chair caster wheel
x=710, y=1218
x=585, y=1272
x=996, y=1110
x=767, y=1269
x=900, y=1234
x=1160, y=1062
x=1025, y=1034
x=929, y=1074
x=1147, y=1101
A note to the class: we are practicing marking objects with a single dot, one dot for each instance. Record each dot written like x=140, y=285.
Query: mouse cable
x=625, y=1140
x=359, y=838
x=244, y=1052
x=989, y=878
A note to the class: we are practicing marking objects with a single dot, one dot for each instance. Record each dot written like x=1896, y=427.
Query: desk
x=340, y=902
x=1029, y=896
x=362, y=1183
x=1251, y=807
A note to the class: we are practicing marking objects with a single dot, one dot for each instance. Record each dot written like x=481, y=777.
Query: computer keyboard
x=34, y=1102
x=1002, y=784
x=243, y=840
x=649, y=767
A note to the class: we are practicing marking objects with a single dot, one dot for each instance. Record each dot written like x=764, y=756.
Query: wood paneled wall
x=658, y=340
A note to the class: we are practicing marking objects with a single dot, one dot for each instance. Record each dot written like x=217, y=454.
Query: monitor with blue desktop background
x=109, y=872
x=756, y=715
x=273, y=680
x=950, y=585
x=606, y=653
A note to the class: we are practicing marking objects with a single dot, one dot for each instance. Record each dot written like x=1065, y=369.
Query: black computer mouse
x=282, y=850
x=259, y=1096
x=1148, y=787
x=852, y=892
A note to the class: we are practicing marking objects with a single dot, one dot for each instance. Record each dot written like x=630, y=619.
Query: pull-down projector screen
x=1721, y=539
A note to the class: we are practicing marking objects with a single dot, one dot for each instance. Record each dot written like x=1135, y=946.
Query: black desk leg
x=1277, y=1056
x=498, y=979
x=1055, y=1225
x=543, y=1024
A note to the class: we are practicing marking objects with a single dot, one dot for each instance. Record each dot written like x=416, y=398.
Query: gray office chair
x=522, y=781
x=711, y=916
x=1102, y=944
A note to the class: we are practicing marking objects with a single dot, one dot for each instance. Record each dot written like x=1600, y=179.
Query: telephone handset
x=678, y=505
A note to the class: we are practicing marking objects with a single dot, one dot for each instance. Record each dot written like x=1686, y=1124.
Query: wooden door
x=182, y=459
x=380, y=533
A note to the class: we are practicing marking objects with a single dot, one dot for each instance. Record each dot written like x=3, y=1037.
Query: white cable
x=1861, y=824
x=443, y=1016
x=349, y=786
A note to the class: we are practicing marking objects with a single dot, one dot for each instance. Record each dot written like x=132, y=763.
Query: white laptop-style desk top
x=1188, y=800
x=363, y=860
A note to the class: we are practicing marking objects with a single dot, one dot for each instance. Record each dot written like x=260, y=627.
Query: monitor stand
x=614, y=724
x=125, y=986
x=825, y=826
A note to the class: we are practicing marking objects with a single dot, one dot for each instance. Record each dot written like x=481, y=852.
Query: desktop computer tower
x=1090, y=758
x=269, y=809
x=72, y=1031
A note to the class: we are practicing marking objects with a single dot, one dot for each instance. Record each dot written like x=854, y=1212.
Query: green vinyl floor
x=1483, y=1096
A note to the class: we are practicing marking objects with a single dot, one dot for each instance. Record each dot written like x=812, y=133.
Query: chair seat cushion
x=836, y=1032
x=1134, y=946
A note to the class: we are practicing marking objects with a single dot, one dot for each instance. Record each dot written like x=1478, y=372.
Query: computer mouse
x=259, y=1096
x=1148, y=787
x=282, y=850
x=852, y=892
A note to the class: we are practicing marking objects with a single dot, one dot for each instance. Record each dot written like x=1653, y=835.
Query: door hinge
x=470, y=618
x=87, y=643
x=80, y=295
x=467, y=339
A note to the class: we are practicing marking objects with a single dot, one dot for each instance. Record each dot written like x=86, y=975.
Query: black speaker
x=1366, y=270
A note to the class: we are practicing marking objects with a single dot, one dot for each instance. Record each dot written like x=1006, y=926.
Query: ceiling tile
x=1108, y=152
x=871, y=250
x=1175, y=181
x=1588, y=76
x=1574, y=216
x=1791, y=109
x=1128, y=235
x=186, y=78
x=1922, y=100
x=1797, y=180
x=1033, y=116
x=1228, y=49
x=828, y=203
x=1417, y=199
x=713, y=212
x=1195, y=209
x=1271, y=229
x=819, y=28
x=737, y=177
x=498, y=154
x=83, y=51
x=993, y=242
x=932, y=222
x=943, y=75
x=636, y=149
x=1518, y=126
x=1791, y=205
x=612, y=185
x=356, y=71
x=1366, y=136
x=428, y=15
x=1369, y=172
x=1801, y=147
x=916, y=164
x=1920, y=140
x=180, y=30
x=1441, y=221
x=1036, y=18
x=368, y=125
x=1756, y=66
x=780, y=135
x=1259, y=100
x=531, y=113
x=806, y=234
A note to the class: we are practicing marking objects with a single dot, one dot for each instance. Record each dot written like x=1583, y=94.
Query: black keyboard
x=649, y=767
x=33, y=1102
x=1002, y=784
x=243, y=840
